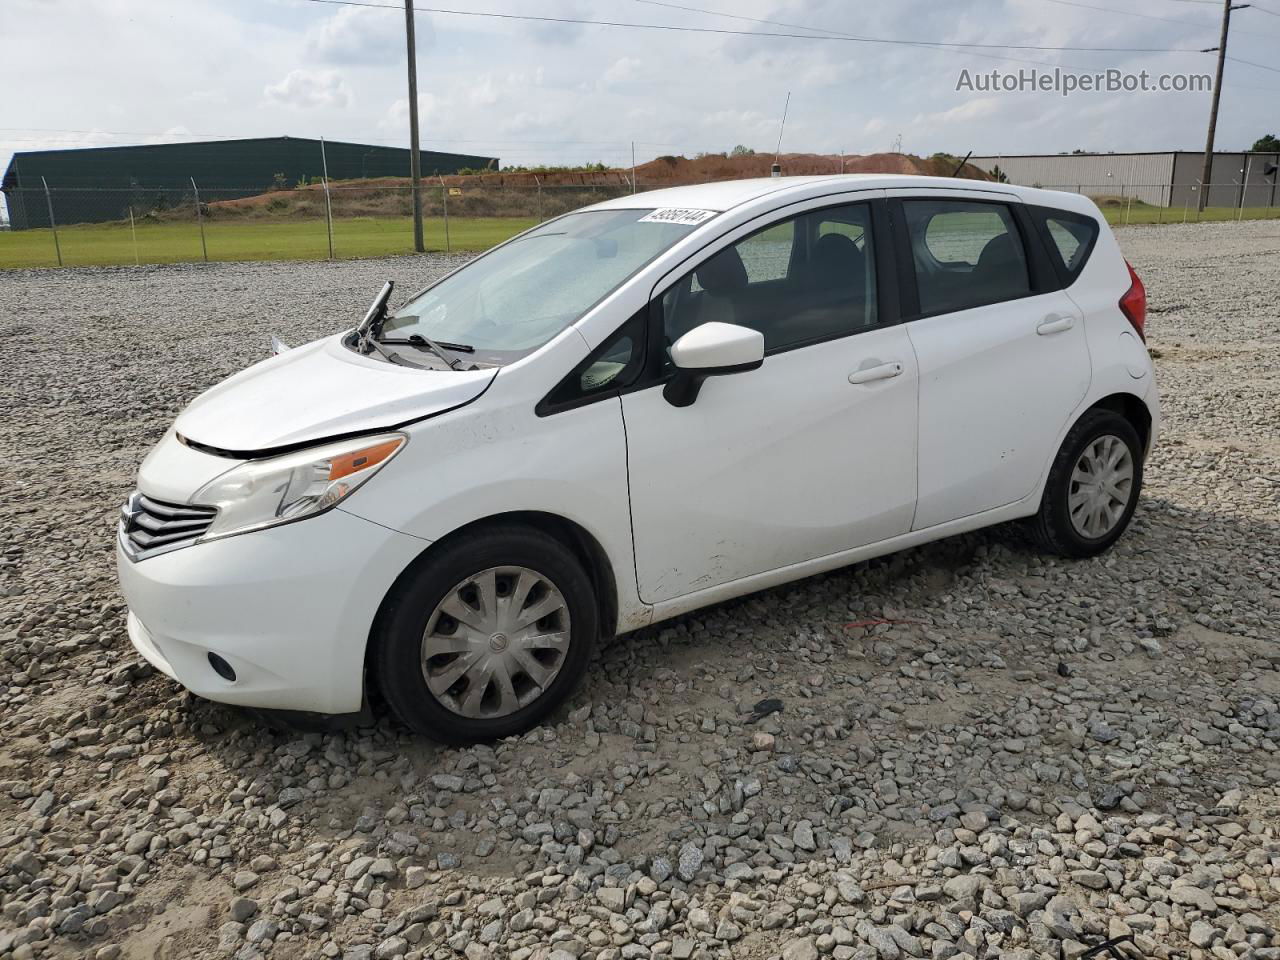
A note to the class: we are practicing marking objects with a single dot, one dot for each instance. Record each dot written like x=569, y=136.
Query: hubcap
x=496, y=642
x=1101, y=485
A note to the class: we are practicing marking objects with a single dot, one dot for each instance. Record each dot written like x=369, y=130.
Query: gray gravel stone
x=689, y=862
x=934, y=785
x=242, y=909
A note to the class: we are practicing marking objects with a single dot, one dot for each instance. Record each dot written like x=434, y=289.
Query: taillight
x=1134, y=303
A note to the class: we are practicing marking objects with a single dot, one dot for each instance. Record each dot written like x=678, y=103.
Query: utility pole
x=1207, y=171
x=415, y=160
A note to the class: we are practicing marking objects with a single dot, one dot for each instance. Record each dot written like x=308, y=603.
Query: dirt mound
x=674, y=170
x=544, y=194
x=469, y=196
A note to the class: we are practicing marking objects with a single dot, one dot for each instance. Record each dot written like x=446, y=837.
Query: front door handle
x=1054, y=324
x=883, y=371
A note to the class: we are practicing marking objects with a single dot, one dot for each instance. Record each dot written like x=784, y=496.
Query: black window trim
x=548, y=406
x=1040, y=217
x=1041, y=275
x=841, y=198
x=651, y=374
x=886, y=286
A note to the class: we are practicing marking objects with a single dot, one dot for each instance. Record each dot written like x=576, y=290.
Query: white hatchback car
x=631, y=411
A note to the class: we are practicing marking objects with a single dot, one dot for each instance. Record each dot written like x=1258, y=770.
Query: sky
x=114, y=72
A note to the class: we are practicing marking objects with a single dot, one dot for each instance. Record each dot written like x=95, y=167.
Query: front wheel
x=487, y=636
x=1093, y=486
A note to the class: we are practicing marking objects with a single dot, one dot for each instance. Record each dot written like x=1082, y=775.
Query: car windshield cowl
x=510, y=301
x=405, y=353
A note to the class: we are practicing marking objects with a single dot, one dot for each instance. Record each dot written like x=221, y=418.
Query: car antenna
x=776, y=169
x=960, y=166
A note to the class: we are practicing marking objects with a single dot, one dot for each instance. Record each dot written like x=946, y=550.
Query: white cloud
x=396, y=119
x=308, y=89
x=362, y=36
x=206, y=97
x=484, y=93
x=534, y=93
x=173, y=135
x=622, y=70
x=966, y=112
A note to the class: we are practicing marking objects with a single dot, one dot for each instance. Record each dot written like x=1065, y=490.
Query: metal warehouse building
x=1161, y=179
x=95, y=184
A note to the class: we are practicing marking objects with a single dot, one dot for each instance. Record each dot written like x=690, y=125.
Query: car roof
x=723, y=195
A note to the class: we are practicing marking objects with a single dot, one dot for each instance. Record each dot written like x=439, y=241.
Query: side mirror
x=711, y=350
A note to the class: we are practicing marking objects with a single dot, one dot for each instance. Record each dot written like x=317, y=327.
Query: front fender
x=482, y=462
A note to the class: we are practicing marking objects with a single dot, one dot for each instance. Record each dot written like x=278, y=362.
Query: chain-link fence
x=61, y=226
x=1137, y=203
x=88, y=227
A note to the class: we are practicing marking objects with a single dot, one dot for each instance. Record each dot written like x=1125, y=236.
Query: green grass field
x=112, y=244
x=105, y=244
x=1142, y=213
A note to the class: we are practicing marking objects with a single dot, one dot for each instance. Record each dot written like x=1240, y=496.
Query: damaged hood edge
x=318, y=392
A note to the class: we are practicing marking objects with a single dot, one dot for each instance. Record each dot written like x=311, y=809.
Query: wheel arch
x=1050, y=523
x=588, y=550
x=1130, y=406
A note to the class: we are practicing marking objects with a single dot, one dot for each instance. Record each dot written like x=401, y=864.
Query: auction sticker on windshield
x=681, y=215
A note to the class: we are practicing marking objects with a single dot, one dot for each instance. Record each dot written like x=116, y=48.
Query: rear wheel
x=1093, y=486
x=487, y=636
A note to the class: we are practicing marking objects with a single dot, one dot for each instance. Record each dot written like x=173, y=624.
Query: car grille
x=150, y=525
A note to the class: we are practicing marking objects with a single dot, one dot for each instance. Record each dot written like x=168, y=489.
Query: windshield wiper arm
x=418, y=340
x=387, y=354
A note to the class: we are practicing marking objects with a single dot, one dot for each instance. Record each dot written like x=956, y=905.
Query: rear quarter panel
x=1120, y=361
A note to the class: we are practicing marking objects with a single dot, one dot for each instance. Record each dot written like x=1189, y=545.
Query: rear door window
x=966, y=254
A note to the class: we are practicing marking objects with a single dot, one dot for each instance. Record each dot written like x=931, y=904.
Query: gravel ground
x=1034, y=755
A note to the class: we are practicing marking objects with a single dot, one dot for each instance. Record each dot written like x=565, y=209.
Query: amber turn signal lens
x=350, y=463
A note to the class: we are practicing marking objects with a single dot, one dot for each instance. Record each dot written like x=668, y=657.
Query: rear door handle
x=1054, y=324
x=883, y=371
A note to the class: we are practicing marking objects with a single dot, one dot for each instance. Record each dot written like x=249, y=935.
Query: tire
x=1091, y=531
x=496, y=692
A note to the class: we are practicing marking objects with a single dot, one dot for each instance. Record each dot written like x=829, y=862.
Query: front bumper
x=289, y=608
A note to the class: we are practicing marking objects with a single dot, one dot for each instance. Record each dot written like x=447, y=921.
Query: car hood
x=319, y=391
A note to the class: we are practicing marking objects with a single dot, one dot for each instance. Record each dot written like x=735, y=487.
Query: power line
x=1147, y=16
x=846, y=38
x=738, y=16
x=1250, y=63
x=799, y=26
x=1126, y=13
x=1070, y=3
x=836, y=33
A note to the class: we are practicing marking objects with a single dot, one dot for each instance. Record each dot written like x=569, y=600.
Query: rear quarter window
x=1069, y=237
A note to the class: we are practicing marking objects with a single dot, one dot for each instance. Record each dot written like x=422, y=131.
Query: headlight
x=262, y=493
